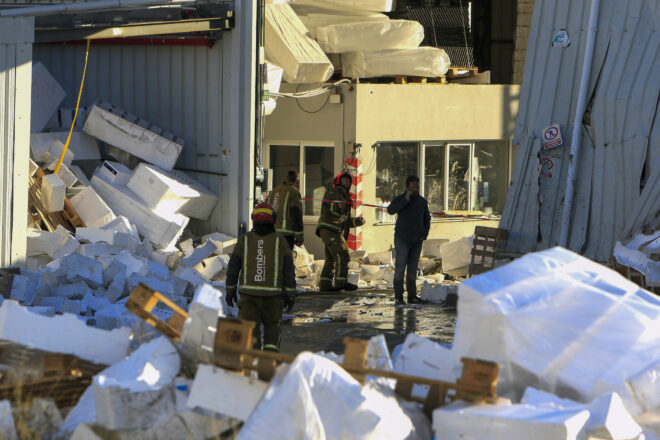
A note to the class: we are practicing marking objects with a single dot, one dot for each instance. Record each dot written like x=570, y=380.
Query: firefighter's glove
x=360, y=221
x=288, y=302
x=299, y=241
x=231, y=298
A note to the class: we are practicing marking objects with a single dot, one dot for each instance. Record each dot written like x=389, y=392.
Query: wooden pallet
x=64, y=390
x=144, y=299
x=68, y=218
x=484, y=248
x=59, y=364
x=233, y=351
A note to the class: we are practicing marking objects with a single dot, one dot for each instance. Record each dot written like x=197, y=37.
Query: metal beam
x=135, y=30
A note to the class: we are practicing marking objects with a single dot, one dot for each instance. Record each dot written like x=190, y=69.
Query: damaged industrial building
x=171, y=168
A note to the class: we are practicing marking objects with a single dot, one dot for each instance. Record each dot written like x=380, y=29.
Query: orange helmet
x=263, y=213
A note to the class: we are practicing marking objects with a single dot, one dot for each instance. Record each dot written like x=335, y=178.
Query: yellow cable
x=75, y=115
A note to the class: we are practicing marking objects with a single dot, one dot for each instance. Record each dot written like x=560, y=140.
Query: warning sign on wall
x=552, y=137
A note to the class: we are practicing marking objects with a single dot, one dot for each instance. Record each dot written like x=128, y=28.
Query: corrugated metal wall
x=624, y=109
x=16, y=36
x=178, y=88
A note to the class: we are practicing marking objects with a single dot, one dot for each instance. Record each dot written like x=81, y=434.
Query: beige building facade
x=456, y=138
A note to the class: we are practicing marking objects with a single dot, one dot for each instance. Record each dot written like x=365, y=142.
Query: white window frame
x=301, y=164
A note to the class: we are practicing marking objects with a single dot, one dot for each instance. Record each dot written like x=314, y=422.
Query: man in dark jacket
x=263, y=264
x=287, y=203
x=332, y=228
x=413, y=223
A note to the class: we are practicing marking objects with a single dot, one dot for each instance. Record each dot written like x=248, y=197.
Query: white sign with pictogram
x=552, y=137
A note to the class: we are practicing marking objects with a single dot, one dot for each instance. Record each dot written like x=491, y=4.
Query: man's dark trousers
x=407, y=256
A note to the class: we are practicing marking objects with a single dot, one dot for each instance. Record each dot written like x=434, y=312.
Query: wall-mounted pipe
x=577, y=123
x=73, y=8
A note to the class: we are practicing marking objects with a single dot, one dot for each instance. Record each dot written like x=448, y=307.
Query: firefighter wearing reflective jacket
x=287, y=203
x=263, y=266
x=334, y=224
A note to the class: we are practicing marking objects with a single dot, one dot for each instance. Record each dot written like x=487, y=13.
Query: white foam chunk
x=598, y=329
x=212, y=266
x=67, y=176
x=7, y=426
x=314, y=18
x=370, y=36
x=161, y=229
x=82, y=145
x=82, y=178
x=289, y=46
x=608, y=417
x=110, y=125
x=211, y=382
x=199, y=254
x=144, y=380
x=52, y=192
x=313, y=394
x=47, y=94
x=171, y=192
x=114, y=172
x=460, y=420
x=436, y=293
x=273, y=82
x=55, y=150
x=92, y=209
x=62, y=334
x=359, y=5
x=54, y=244
x=422, y=61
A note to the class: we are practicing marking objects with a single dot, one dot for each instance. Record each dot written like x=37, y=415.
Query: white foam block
x=52, y=191
x=82, y=178
x=62, y=334
x=358, y=5
x=370, y=36
x=422, y=61
x=314, y=18
x=161, y=229
x=289, y=45
x=171, y=192
x=504, y=422
x=55, y=150
x=144, y=380
x=47, y=94
x=114, y=172
x=128, y=133
x=211, y=382
x=67, y=176
x=92, y=209
x=82, y=145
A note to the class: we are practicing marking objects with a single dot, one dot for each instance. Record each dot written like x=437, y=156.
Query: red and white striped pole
x=355, y=168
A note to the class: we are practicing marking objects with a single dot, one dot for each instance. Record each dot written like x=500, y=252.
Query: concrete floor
x=320, y=322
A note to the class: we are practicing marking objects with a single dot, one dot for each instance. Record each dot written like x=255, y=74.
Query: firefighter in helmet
x=287, y=203
x=263, y=266
x=333, y=226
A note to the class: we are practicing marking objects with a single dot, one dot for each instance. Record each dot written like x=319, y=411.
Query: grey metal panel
x=16, y=36
x=624, y=107
x=178, y=88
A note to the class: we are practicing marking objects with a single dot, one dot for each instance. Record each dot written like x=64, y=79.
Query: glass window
x=434, y=176
x=395, y=161
x=282, y=159
x=491, y=175
x=459, y=178
x=318, y=172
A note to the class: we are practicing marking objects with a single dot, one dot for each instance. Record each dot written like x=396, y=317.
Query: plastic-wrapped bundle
x=370, y=36
x=566, y=324
x=273, y=85
x=359, y=5
x=314, y=18
x=288, y=45
x=422, y=61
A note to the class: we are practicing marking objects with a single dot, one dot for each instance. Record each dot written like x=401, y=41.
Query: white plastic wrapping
x=353, y=5
x=314, y=398
x=289, y=45
x=370, y=36
x=313, y=18
x=274, y=80
x=422, y=61
x=562, y=323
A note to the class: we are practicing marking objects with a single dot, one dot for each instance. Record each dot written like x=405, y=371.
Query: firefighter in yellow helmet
x=287, y=203
x=333, y=226
x=263, y=266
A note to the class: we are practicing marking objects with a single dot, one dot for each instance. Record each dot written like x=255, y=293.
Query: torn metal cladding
x=623, y=118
